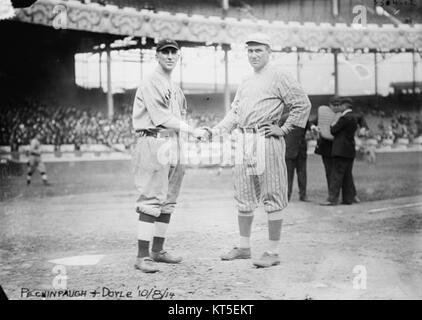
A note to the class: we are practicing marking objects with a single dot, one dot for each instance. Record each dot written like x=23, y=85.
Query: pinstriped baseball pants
x=269, y=186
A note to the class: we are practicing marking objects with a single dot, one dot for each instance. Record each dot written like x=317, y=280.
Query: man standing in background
x=34, y=160
x=296, y=156
x=343, y=154
x=325, y=139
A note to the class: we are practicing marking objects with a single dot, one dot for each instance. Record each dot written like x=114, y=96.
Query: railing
x=199, y=153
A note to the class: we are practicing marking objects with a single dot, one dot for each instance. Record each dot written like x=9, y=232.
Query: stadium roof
x=319, y=11
x=149, y=24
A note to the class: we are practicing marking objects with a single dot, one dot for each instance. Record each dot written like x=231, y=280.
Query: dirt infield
x=344, y=252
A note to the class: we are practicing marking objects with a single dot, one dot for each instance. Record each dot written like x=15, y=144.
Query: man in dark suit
x=343, y=154
x=295, y=157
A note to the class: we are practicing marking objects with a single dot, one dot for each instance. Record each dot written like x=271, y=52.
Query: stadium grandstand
x=73, y=66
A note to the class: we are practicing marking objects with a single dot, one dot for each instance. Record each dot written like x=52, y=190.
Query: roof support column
x=110, y=107
x=299, y=66
x=415, y=64
x=226, y=49
x=335, y=52
x=99, y=70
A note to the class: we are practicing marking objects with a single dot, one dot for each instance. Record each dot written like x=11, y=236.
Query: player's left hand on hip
x=271, y=130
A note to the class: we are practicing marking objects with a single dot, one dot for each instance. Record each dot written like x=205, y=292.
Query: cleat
x=237, y=253
x=146, y=265
x=267, y=260
x=165, y=257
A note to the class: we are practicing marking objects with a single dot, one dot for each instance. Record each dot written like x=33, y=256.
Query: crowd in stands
x=384, y=125
x=72, y=125
x=59, y=125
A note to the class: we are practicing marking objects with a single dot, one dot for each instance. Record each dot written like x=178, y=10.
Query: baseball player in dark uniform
x=158, y=112
x=256, y=111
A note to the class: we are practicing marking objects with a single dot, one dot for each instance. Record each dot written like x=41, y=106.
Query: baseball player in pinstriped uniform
x=257, y=107
x=157, y=118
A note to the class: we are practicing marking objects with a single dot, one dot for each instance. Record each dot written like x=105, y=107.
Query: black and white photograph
x=230, y=150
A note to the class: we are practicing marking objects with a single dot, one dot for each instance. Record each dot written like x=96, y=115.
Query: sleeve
x=183, y=105
x=338, y=126
x=231, y=119
x=154, y=99
x=296, y=100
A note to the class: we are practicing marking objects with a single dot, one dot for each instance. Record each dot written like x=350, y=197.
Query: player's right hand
x=201, y=134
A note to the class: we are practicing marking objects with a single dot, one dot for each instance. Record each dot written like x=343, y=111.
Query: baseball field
x=76, y=239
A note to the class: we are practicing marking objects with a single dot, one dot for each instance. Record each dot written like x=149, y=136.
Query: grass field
x=394, y=175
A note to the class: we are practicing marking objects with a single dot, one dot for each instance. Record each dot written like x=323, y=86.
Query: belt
x=256, y=127
x=155, y=134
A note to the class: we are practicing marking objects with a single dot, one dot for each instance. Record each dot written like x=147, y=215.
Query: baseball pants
x=268, y=185
x=34, y=163
x=158, y=183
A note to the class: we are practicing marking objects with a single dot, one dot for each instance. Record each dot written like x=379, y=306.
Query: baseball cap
x=336, y=101
x=260, y=38
x=347, y=101
x=167, y=43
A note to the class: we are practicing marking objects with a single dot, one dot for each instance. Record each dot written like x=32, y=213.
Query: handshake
x=202, y=133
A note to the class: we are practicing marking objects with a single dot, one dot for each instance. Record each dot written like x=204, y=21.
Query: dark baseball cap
x=167, y=43
x=336, y=101
x=347, y=101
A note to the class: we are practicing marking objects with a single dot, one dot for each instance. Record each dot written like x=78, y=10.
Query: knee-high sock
x=44, y=176
x=245, y=226
x=145, y=233
x=160, y=230
x=274, y=233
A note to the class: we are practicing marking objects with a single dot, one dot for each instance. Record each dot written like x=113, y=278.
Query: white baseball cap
x=260, y=38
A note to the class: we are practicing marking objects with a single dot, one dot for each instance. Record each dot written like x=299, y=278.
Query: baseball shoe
x=164, y=256
x=237, y=253
x=146, y=265
x=328, y=203
x=46, y=183
x=267, y=260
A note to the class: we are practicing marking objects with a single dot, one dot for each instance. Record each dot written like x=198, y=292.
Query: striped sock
x=145, y=233
x=161, y=226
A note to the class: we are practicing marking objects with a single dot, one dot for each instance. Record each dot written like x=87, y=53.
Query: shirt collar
x=346, y=111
